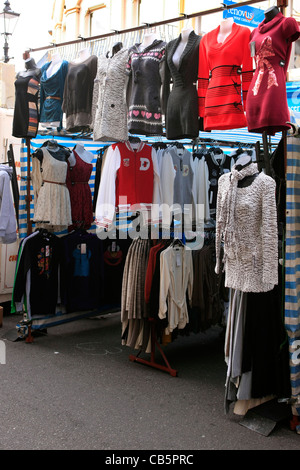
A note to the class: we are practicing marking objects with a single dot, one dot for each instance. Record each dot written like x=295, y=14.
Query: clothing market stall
x=211, y=152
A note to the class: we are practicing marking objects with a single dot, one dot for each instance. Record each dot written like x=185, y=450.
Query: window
x=99, y=19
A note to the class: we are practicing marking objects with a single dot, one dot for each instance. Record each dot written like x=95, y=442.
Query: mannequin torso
x=148, y=39
x=84, y=154
x=54, y=65
x=225, y=29
x=270, y=13
x=241, y=163
x=82, y=56
x=185, y=33
x=31, y=70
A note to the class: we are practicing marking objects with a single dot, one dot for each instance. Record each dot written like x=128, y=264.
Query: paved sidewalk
x=75, y=388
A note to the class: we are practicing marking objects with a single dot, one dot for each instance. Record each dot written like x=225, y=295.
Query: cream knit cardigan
x=246, y=224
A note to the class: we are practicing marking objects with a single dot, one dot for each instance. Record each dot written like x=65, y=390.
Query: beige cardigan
x=176, y=278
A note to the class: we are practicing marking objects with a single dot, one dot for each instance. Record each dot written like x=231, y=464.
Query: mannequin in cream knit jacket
x=247, y=224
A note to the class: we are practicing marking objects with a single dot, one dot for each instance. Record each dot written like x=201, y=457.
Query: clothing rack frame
x=280, y=3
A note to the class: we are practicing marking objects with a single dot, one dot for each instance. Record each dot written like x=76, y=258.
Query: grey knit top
x=246, y=223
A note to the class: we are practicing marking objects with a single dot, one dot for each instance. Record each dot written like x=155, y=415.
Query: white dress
x=52, y=207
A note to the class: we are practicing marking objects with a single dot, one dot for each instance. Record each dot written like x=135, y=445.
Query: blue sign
x=293, y=96
x=246, y=16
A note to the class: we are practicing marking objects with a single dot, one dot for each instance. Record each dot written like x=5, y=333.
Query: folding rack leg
x=152, y=362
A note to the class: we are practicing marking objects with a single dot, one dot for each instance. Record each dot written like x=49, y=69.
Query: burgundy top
x=267, y=108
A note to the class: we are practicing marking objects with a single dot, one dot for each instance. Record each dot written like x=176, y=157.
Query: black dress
x=26, y=117
x=181, y=103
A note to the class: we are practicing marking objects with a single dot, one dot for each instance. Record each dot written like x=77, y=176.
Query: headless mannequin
x=56, y=61
x=185, y=34
x=56, y=151
x=241, y=163
x=116, y=48
x=148, y=40
x=225, y=29
x=54, y=66
x=83, y=55
x=85, y=155
x=31, y=70
x=270, y=13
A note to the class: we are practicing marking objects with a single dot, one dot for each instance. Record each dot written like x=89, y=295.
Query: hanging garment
x=216, y=168
x=225, y=72
x=52, y=92
x=26, y=114
x=82, y=272
x=181, y=101
x=144, y=88
x=8, y=226
x=130, y=181
x=77, y=181
x=38, y=276
x=52, y=205
x=265, y=349
x=24, y=302
x=209, y=293
x=135, y=325
x=109, y=98
x=267, y=108
x=246, y=221
x=99, y=168
x=114, y=257
x=183, y=183
x=78, y=94
x=201, y=187
x=176, y=286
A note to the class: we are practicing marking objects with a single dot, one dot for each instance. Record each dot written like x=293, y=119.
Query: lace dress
x=52, y=207
x=80, y=193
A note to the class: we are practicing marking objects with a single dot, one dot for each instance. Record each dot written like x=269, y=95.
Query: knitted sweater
x=247, y=224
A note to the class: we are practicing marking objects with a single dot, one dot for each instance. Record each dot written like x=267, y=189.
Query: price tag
x=47, y=251
x=252, y=48
x=178, y=259
x=113, y=246
x=83, y=248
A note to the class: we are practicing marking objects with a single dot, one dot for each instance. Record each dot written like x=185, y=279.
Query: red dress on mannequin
x=267, y=108
x=225, y=72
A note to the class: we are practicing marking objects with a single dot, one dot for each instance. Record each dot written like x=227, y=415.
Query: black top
x=82, y=271
x=41, y=258
x=78, y=94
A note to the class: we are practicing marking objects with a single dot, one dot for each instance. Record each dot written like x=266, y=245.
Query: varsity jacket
x=130, y=181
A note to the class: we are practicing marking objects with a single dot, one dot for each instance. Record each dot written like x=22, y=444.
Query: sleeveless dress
x=80, y=193
x=52, y=198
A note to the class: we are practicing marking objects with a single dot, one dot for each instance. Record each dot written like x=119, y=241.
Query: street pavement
x=74, y=388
